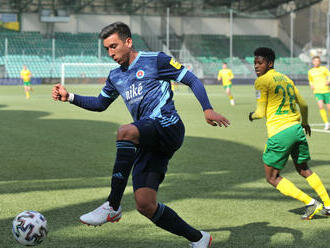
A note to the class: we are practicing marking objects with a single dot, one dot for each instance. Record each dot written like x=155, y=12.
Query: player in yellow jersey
x=226, y=75
x=174, y=85
x=26, y=77
x=277, y=97
x=318, y=80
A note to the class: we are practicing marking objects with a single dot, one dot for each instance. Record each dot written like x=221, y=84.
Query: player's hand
x=250, y=116
x=215, y=119
x=59, y=93
x=307, y=128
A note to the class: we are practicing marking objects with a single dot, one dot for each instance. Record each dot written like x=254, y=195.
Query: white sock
x=311, y=202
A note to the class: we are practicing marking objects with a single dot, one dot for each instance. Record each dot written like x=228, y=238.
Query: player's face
x=118, y=49
x=224, y=66
x=261, y=65
x=316, y=62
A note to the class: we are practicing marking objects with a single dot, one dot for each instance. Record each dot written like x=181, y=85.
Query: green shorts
x=27, y=83
x=227, y=86
x=325, y=97
x=291, y=141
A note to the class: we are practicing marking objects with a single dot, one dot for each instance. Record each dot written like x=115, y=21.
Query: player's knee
x=127, y=132
x=306, y=173
x=145, y=208
x=271, y=180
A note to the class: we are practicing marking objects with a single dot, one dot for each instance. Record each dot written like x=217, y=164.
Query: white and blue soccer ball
x=30, y=228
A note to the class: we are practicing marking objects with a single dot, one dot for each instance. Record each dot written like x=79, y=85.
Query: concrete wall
x=182, y=25
x=243, y=26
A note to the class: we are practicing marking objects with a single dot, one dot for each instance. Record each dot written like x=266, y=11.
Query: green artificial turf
x=57, y=159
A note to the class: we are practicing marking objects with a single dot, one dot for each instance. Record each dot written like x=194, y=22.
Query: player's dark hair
x=120, y=28
x=316, y=57
x=265, y=52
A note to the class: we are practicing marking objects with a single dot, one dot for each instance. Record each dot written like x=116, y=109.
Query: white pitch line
x=316, y=124
x=320, y=130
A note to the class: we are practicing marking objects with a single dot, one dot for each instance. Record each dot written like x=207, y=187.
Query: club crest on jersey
x=140, y=74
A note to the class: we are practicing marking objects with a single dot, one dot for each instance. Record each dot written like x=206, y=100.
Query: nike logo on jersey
x=133, y=91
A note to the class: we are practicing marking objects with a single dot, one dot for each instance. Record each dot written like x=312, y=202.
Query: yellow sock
x=27, y=94
x=324, y=115
x=231, y=97
x=316, y=183
x=288, y=188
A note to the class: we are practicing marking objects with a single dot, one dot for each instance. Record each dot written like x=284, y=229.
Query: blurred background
x=58, y=39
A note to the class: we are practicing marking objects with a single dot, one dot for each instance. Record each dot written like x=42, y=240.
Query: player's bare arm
x=215, y=119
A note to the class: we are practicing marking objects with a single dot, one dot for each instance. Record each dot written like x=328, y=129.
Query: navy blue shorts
x=158, y=143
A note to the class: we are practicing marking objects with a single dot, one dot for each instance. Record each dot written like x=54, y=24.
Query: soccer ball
x=30, y=228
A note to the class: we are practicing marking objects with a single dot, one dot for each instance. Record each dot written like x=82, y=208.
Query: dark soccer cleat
x=311, y=210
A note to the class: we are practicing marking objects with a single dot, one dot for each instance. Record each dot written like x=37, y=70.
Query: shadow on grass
x=257, y=234
x=39, y=154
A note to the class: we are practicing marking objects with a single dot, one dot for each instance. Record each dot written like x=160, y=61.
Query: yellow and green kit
x=26, y=76
x=277, y=97
x=318, y=79
x=226, y=75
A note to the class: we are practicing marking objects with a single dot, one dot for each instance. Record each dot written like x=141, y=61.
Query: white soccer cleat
x=104, y=213
x=327, y=126
x=204, y=242
x=232, y=102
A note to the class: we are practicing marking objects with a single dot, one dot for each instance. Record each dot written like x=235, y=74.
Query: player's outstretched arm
x=215, y=119
x=211, y=117
x=100, y=103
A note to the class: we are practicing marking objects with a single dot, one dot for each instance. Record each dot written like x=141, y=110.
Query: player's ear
x=271, y=64
x=129, y=42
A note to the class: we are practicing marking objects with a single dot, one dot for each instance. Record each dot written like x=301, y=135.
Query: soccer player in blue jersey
x=148, y=143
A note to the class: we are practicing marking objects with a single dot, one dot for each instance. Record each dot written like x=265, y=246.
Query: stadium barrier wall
x=18, y=81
